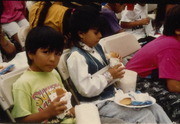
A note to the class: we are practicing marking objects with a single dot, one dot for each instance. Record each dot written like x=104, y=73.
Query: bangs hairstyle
x=172, y=21
x=43, y=37
x=82, y=19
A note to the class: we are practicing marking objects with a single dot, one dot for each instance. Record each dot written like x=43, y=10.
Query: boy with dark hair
x=33, y=90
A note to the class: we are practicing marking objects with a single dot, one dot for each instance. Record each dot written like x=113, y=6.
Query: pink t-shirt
x=163, y=54
x=12, y=11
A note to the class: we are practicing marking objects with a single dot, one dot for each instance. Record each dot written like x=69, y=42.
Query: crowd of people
x=56, y=26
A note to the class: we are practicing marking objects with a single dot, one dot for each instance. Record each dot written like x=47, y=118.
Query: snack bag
x=66, y=97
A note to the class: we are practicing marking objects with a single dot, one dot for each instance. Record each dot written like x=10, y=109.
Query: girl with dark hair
x=52, y=14
x=86, y=58
x=160, y=60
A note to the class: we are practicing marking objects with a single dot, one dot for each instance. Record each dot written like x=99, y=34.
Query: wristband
x=108, y=76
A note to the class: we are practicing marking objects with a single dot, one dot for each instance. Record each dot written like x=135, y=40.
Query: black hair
x=82, y=19
x=160, y=15
x=172, y=21
x=42, y=16
x=43, y=37
x=66, y=18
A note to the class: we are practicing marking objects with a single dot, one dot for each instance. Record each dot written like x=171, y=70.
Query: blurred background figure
x=7, y=48
x=136, y=21
x=109, y=12
x=13, y=18
x=53, y=14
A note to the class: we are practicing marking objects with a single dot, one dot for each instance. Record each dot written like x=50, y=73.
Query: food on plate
x=125, y=101
x=60, y=91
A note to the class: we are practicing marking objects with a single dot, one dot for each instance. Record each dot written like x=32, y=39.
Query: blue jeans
x=152, y=114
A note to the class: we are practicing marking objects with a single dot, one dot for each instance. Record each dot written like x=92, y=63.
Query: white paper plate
x=117, y=99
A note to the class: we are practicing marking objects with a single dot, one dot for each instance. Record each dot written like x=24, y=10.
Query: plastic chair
x=62, y=68
x=123, y=43
x=22, y=34
x=6, y=82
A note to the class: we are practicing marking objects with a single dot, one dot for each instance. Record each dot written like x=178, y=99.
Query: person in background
x=160, y=16
x=7, y=48
x=13, y=18
x=32, y=91
x=86, y=58
x=136, y=22
x=109, y=11
x=158, y=65
x=52, y=14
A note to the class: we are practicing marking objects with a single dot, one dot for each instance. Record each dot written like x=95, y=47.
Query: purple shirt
x=163, y=54
x=112, y=20
x=13, y=11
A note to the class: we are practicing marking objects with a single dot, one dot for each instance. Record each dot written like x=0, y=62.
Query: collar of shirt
x=87, y=48
x=92, y=51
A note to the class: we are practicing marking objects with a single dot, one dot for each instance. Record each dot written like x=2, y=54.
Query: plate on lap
x=134, y=100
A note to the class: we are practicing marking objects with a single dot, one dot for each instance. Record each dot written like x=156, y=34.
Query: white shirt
x=86, y=84
x=138, y=13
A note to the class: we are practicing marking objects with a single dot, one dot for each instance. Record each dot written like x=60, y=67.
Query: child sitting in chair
x=32, y=92
x=86, y=58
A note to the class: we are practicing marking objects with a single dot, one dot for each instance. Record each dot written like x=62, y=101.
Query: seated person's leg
x=11, y=30
x=158, y=112
x=23, y=22
x=112, y=110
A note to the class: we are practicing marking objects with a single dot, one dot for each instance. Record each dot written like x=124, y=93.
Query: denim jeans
x=152, y=114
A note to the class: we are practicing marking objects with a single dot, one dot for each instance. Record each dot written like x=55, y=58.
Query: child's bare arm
x=55, y=108
x=144, y=21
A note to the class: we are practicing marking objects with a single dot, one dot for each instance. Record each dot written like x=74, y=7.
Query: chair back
x=123, y=43
x=22, y=34
x=63, y=69
x=62, y=66
x=6, y=82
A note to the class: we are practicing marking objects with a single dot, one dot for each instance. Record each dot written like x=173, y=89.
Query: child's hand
x=117, y=71
x=71, y=112
x=56, y=107
x=145, y=21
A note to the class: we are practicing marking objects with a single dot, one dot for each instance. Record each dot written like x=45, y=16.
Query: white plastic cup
x=87, y=113
x=128, y=82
